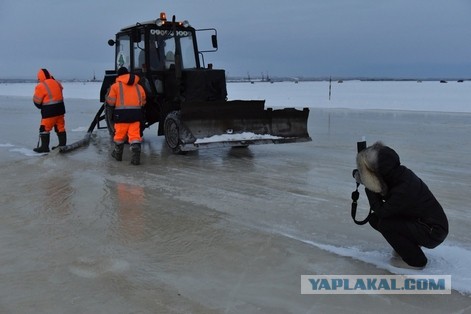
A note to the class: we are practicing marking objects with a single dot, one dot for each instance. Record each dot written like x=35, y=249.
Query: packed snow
x=245, y=136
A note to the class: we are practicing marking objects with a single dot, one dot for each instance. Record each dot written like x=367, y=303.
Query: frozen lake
x=395, y=95
x=225, y=230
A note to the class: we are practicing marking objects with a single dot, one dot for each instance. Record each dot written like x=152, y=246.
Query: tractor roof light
x=185, y=23
x=162, y=19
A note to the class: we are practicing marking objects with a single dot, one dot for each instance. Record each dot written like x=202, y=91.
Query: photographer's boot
x=136, y=153
x=118, y=152
x=400, y=263
x=44, y=148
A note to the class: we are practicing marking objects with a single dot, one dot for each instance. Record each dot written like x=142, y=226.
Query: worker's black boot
x=136, y=153
x=118, y=152
x=62, y=136
x=44, y=148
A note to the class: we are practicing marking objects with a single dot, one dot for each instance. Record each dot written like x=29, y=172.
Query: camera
x=356, y=174
x=361, y=146
x=355, y=194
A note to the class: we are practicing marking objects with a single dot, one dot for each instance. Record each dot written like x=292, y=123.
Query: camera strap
x=355, y=197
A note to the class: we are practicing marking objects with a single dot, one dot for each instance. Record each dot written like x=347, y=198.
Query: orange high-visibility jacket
x=128, y=97
x=48, y=95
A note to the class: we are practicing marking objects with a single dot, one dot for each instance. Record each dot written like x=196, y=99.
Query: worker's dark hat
x=122, y=71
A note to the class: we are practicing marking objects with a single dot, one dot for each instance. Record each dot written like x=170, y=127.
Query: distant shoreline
x=278, y=79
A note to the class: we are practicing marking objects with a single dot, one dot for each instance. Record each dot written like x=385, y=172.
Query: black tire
x=172, y=129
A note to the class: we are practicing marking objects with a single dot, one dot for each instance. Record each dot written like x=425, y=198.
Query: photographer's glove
x=356, y=176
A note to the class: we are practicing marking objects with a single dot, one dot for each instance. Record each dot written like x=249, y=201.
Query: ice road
x=220, y=230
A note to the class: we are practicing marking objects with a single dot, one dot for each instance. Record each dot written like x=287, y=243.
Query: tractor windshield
x=162, y=49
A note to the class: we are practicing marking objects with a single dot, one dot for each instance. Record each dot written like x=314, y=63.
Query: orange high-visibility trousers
x=132, y=130
x=49, y=123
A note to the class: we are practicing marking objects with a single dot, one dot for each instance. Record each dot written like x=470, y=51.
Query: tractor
x=187, y=98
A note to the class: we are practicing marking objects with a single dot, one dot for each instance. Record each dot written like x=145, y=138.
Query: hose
x=86, y=140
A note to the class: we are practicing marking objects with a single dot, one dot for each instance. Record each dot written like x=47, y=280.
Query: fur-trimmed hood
x=375, y=164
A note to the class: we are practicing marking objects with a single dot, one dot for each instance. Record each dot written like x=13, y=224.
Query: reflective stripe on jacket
x=48, y=96
x=128, y=98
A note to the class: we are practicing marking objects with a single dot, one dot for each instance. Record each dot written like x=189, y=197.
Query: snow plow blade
x=239, y=123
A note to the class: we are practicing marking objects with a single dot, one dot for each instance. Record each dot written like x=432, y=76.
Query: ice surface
x=26, y=152
x=224, y=230
x=396, y=95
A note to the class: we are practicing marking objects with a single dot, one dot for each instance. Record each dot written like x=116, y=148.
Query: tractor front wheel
x=172, y=129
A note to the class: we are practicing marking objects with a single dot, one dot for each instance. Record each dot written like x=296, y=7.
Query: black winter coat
x=403, y=195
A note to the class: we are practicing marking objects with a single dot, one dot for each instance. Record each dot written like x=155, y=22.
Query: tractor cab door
x=122, y=45
x=164, y=57
x=163, y=60
x=163, y=54
x=162, y=49
x=123, y=51
x=130, y=51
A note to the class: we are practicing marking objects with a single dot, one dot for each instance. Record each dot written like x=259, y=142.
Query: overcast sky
x=309, y=38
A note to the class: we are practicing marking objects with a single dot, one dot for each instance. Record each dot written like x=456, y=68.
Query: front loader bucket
x=240, y=123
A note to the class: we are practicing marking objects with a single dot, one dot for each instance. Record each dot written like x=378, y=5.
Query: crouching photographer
x=402, y=208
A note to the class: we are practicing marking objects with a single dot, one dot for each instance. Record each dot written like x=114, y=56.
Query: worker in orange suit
x=48, y=97
x=127, y=97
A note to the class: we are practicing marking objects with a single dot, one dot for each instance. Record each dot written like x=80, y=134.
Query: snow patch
x=443, y=260
x=245, y=136
x=80, y=129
